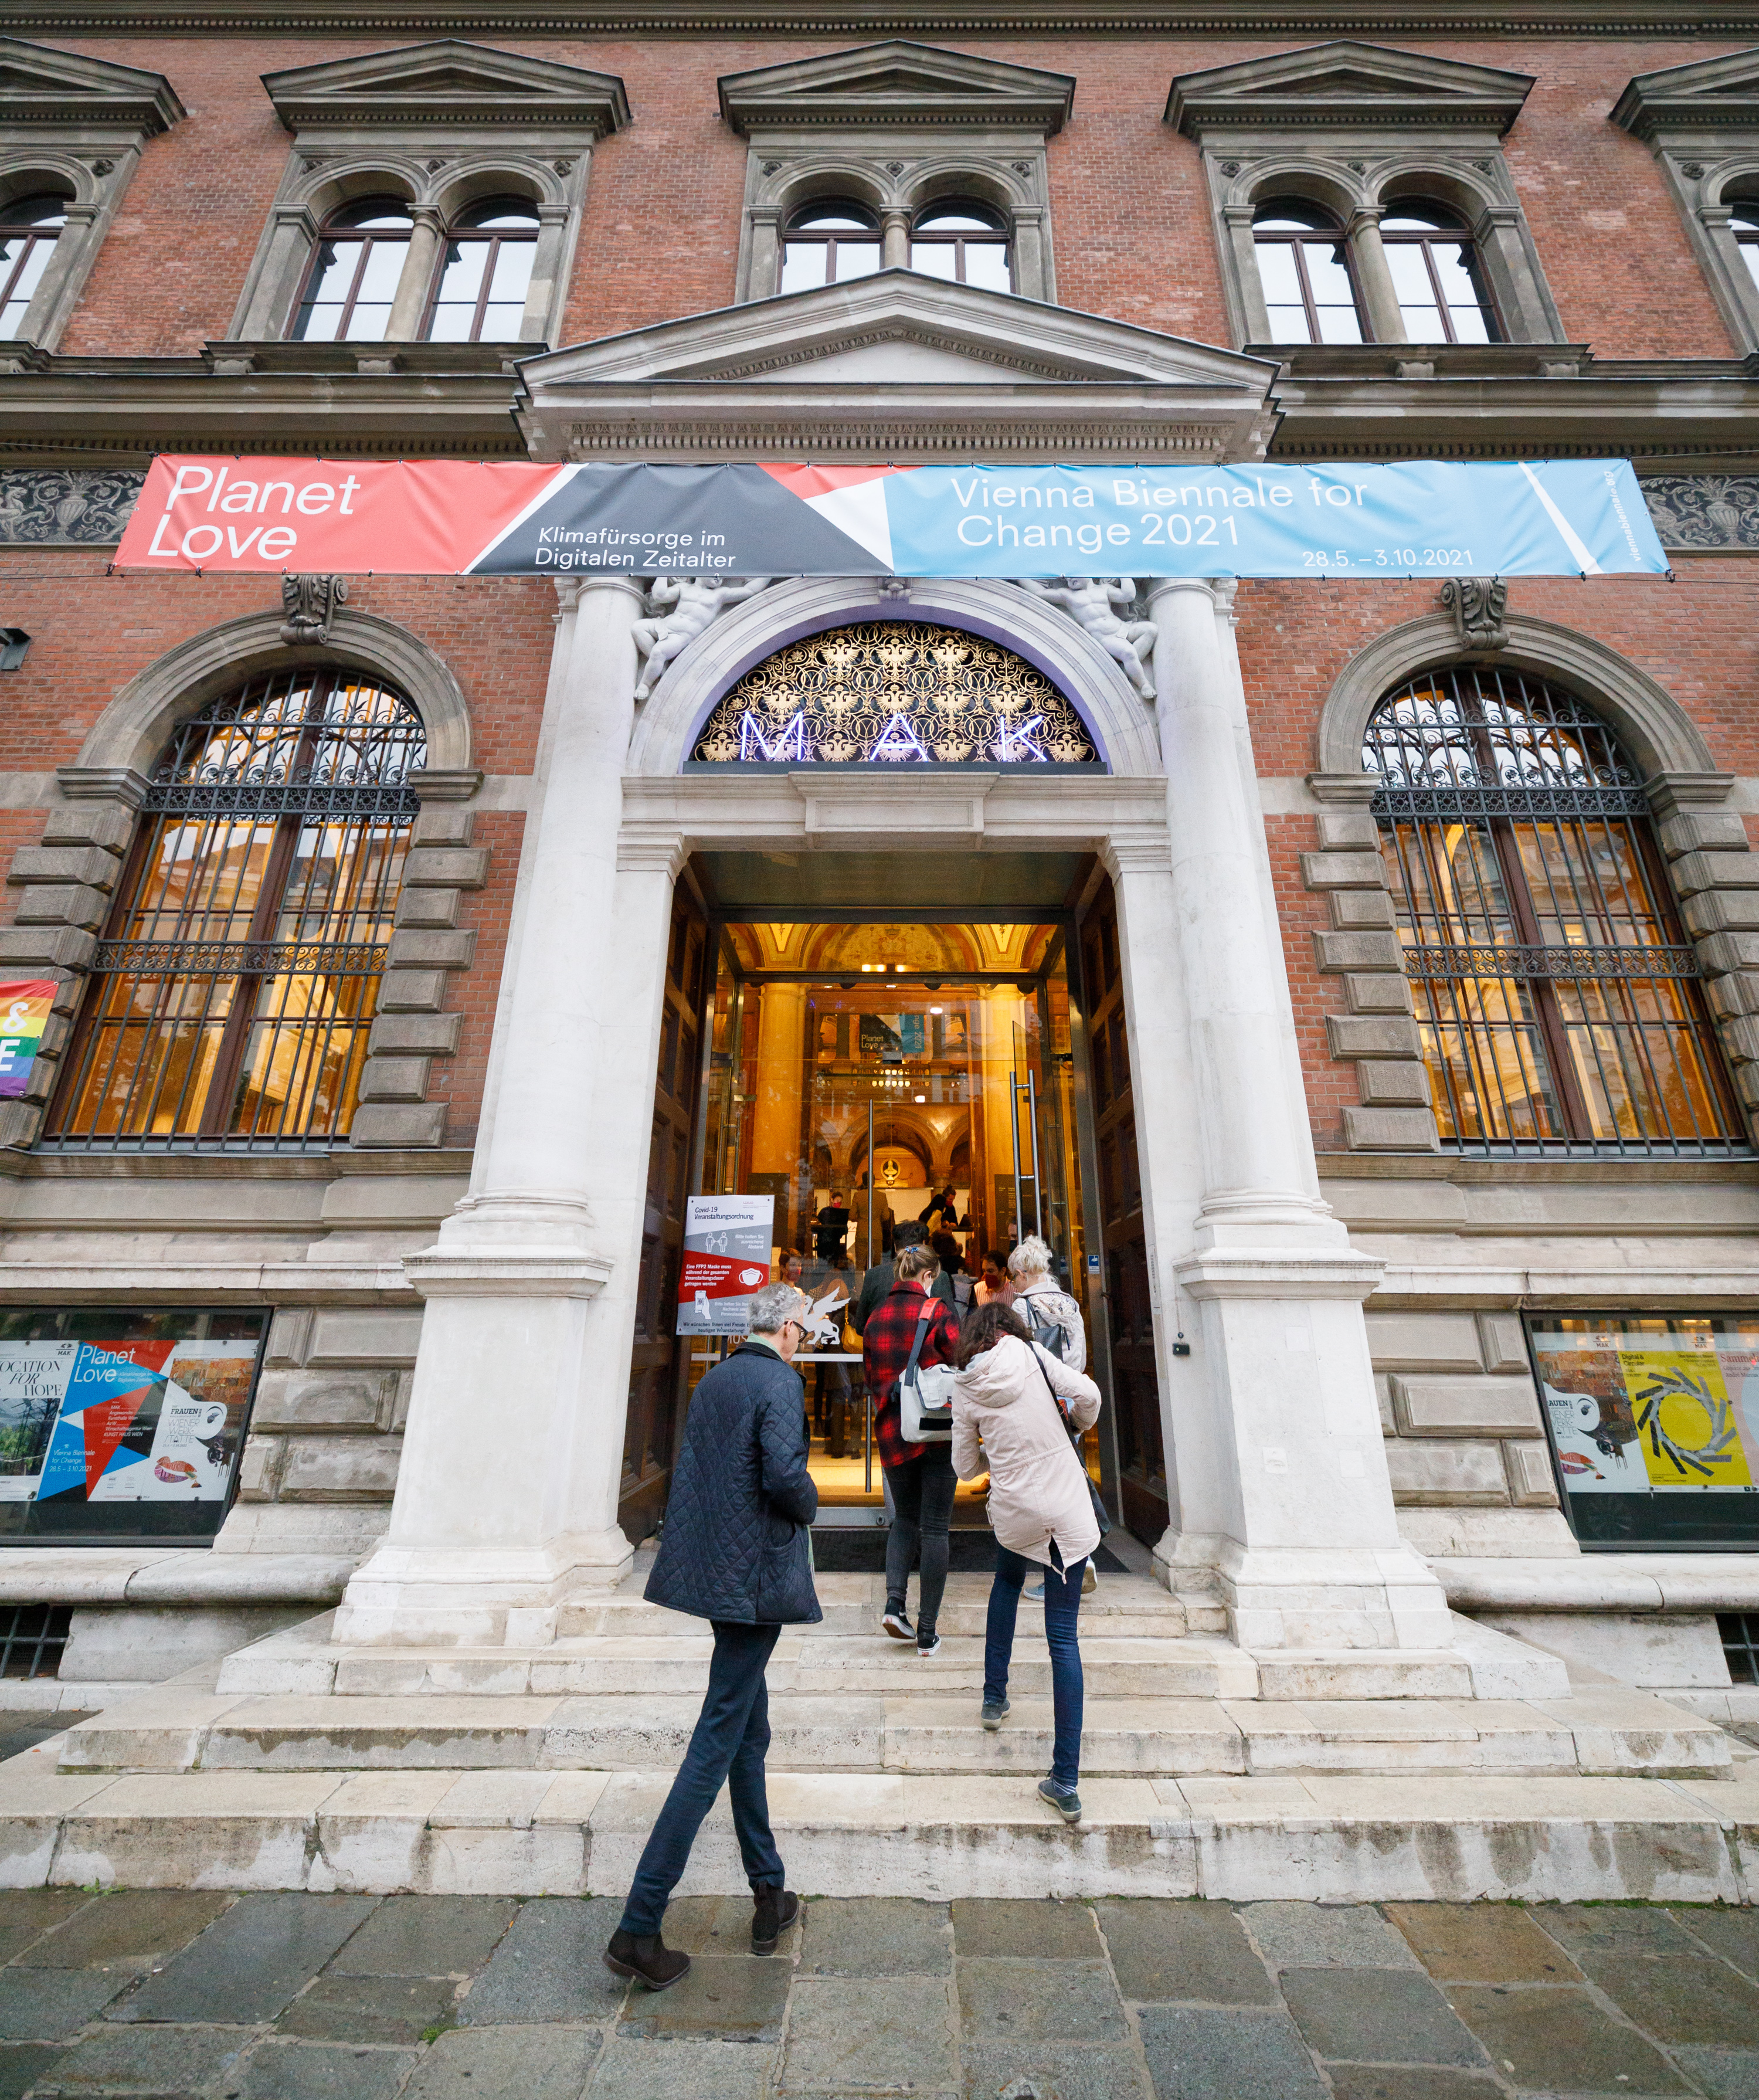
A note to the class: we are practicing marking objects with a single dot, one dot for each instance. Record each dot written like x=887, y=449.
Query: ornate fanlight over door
x=895, y=692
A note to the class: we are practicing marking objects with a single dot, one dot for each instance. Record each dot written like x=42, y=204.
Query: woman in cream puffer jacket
x=1039, y=1509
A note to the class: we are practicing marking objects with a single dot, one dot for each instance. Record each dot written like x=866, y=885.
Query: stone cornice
x=1346, y=86
x=422, y=399
x=449, y=84
x=1705, y=97
x=1720, y=20
x=41, y=88
x=897, y=84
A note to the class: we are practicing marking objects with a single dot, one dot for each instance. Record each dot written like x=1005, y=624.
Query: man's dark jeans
x=922, y=1504
x=731, y=1736
x=1062, y=1603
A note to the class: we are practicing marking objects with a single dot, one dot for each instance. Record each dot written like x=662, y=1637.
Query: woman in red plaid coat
x=920, y=1476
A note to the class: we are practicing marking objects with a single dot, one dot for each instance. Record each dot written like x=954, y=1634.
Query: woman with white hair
x=1054, y=1320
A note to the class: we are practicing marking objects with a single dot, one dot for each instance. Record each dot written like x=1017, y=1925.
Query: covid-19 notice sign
x=726, y=1262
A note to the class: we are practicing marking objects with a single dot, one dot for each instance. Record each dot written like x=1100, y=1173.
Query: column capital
x=1218, y=590
x=570, y=590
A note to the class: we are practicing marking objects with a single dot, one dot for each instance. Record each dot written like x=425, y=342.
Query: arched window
x=479, y=294
x=964, y=242
x=232, y=996
x=829, y=242
x=29, y=229
x=354, y=273
x=1436, y=275
x=1305, y=269
x=1557, y=996
x=1743, y=223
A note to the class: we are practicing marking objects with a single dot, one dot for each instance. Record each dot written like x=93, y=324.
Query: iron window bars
x=32, y=1640
x=232, y=999
x=1557, y=997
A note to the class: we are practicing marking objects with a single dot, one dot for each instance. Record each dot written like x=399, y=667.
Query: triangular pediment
x=1346, y=86
x=896, y=366
x=38, y=86
x=1709, y=94
x=449, y=82
x=897, y=84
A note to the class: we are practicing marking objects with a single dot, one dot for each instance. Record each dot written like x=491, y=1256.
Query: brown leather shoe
x=647, y=1958
x=774, y=1910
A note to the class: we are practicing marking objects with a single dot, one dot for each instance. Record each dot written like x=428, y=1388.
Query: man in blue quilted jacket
x=735, y=1552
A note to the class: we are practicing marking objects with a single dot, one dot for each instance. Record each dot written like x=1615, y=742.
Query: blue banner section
x=1421, y=517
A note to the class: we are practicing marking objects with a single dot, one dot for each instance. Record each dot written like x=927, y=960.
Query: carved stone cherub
x=1088, y=601
x=679, y=609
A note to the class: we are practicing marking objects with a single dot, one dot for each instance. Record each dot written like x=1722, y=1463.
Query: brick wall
x=1129, y=216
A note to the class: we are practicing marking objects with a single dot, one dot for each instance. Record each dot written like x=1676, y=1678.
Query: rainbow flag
x=24, y=1011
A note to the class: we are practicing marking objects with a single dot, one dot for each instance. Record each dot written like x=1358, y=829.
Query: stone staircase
x=619, y=1688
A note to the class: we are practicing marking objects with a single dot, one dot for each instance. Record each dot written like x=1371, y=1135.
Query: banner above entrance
x=458, y=517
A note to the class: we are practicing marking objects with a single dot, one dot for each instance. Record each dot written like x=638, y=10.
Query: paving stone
x=1303, y=1936
x=1376, y=2016
x=718, y=1924
x=249, y=1963
x=549, y=1966
x=128, y=1929
x=27, y=1914
x=167, y=2061
x=1195, y=2054
x=1582, y=1929
x=851, y=2035
x=682, y=2071
x=506, y=2063
x=1482, y=1944
x=1560, y=2040
x=738, y=1997
x=317, y=2070
x=383, y=2009
x=1724, y=2074
x=1193, y=1951
x=427, y=1936
x=48, y=2005
x=1734, y=1934
x=22, y=2063
x=1374, y=2081
x=1692, y=1998
x=1046, y=2001
x=1056, y=2069
x=1029, y=1928
x=876, y=1936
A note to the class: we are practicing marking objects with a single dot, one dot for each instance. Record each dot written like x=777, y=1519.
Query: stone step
x=934, y=1726
x=441, y=1831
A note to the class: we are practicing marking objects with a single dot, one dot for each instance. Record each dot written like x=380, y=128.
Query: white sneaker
x=1090, y=1581
x=1036, y=1593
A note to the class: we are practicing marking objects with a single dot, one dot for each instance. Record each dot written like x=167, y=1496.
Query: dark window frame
x=1332, y=235
x=999, y=234
x=369, y=237
x=35, y=236
x=458, y=234
x=806, y=236
x=1458, y=236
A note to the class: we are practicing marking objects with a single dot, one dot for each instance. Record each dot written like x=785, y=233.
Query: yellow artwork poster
x=1687, y=1427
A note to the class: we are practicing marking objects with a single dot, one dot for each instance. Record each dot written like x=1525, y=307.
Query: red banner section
x=353, y=517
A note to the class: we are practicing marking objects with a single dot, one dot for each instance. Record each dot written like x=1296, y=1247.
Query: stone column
x=415, y=280
x=506, y=1498
x=776, y=1114
x=894, y=239
x=1380, y=295
x=1288, y=1498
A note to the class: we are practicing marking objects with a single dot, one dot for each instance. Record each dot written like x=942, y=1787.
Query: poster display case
x=122, y=1425
x=1653, y=1424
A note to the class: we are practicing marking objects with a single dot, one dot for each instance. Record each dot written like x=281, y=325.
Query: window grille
x=1558, y=998
x=31, y=1636
x=1739, y=1634
x=232, y=998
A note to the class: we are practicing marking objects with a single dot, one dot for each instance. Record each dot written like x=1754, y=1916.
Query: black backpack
x=1046, y=1333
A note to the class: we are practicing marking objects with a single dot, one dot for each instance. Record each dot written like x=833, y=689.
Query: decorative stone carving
x=1705, y=510
x=679, y=608
x=310, y=603
x=66, y=507
x=1089, y=601
x=1480, y=606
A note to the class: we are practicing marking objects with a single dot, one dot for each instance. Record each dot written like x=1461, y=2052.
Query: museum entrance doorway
x=859, y=1068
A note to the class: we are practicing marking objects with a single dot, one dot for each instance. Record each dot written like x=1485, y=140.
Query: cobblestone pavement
x=350, y=1998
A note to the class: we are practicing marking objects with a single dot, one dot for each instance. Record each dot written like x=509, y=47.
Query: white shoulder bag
x=925, y=1391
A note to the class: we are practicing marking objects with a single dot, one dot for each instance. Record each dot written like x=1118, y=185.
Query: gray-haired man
x=734, y=1552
